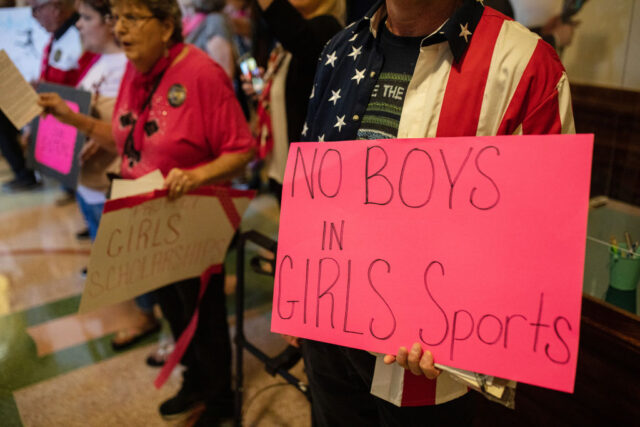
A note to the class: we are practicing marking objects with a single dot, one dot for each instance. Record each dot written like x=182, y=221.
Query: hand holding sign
x=472, y=247
x=181, y=181
x=148, y=241
x=19, y=100
x=54, y=144
x=415, y=360
x=53, y=104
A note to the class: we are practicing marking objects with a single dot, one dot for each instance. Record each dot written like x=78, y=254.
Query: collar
x=65, y=26
x=458, y=29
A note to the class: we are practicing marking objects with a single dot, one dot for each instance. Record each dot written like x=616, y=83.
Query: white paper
x=494, y=386
x=19, y=101
x=132, y=187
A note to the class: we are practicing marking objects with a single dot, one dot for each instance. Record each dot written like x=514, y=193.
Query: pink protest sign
x=473, y=247
x=56, y=142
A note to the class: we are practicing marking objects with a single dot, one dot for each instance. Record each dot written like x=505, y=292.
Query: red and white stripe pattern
x=508, y=82
x=60, y=59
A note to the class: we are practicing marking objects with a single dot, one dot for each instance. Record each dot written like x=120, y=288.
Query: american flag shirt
x=491, y=76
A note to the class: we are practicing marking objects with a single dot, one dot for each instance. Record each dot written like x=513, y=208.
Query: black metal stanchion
x=278, y=365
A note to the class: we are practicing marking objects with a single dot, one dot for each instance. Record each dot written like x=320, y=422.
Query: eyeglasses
x=127, y=20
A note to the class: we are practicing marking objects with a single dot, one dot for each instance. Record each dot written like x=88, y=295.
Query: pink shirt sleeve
x=226, y=128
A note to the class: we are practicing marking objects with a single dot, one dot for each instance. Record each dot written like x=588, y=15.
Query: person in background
x=60, y=61
x=301, y=28
x=208, y=28
x=23, y=178
x=239, y=13
x=551, y=19
x=102, y=79
x=11, y=149
x=63, y=61
x=456, y=68
x=176, y=112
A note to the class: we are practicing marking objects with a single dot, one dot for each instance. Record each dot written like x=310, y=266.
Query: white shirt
x=105, y=75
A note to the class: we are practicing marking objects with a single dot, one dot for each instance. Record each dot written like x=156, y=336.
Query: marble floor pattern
x=57, y=368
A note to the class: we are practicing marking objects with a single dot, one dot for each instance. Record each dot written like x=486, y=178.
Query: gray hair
x=163, y=10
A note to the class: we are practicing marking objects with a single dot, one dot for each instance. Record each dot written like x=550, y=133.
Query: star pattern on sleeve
x=331, y=59
x=347, y=83
x=313, y=92
x=335, y=96
x=359, y=75
x=465, y=32
x=355, y=52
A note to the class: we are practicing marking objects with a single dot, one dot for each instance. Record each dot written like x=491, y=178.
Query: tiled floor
x=57, y=368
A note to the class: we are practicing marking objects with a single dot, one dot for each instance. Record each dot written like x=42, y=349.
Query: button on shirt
x=185, y=131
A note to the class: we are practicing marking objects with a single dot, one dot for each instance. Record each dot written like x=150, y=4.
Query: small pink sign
x=55, y=143
x=473, y=247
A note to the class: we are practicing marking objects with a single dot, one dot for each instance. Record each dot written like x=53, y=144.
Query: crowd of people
x=167, y=94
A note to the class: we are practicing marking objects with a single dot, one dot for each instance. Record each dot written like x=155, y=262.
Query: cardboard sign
x=54, y=146
x=148, y=241
x=473, y=247
x=19, y=102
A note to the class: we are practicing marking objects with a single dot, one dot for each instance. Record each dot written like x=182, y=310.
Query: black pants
x=11, y=150
x=208, y=357
x=340, y=380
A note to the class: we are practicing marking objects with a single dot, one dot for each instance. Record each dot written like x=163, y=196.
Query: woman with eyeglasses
x=102, y=79
x=176, y=111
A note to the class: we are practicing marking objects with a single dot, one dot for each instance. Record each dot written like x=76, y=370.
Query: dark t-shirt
x=382, y=116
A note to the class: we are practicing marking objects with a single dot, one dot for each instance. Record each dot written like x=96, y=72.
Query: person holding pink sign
x=176, y=111
x=422, y=69
x=101, y=76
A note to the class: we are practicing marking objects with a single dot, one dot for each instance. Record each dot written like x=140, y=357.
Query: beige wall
x=606, y=47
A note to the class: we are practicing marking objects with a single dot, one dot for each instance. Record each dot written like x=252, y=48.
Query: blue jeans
x=92, y=214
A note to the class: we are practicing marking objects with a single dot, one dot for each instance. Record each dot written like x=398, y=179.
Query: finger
x=83, y=153
x=177, y=190
x=413, y=360
x=171, y=178
x=291, y=340
x=171, y=185
x=427, y=367
x=401, y=357
x=389, y=359
x=90, y=151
